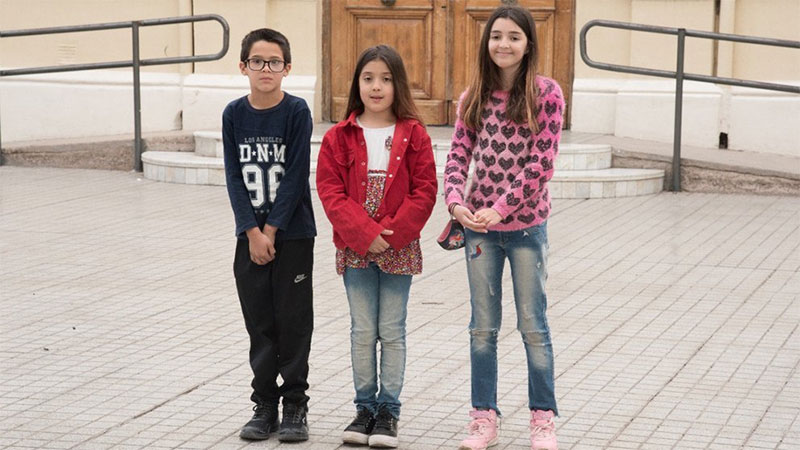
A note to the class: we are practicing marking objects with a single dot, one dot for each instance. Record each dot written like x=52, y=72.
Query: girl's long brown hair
x=521, y=104
x=403, y=105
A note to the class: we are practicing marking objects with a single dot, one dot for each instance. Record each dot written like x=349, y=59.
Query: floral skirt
x=406, y=261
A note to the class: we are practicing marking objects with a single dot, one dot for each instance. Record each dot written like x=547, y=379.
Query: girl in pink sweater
x=509, y=124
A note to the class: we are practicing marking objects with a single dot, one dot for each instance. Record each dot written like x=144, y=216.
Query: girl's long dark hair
x=521, y=104
x=403, y=105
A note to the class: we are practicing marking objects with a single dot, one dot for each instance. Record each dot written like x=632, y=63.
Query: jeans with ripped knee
x=526, y=251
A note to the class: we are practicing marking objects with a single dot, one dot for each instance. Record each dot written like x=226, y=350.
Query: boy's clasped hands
x=262, y=244
x=480, y=222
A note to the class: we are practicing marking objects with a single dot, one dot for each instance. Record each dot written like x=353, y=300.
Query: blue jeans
x=378, y=305
x=526, y=251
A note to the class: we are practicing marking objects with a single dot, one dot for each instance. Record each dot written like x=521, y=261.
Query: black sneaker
x=264, y=422
x=294, y=426
x=360, y=428
x=384, y=434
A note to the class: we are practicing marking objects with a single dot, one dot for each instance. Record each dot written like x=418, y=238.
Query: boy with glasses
x=267, y=147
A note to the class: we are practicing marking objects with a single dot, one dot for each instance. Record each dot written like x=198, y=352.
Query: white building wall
x=643, y=107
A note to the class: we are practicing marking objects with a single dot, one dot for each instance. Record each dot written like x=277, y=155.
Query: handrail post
x=676, y=150
x=137, y=101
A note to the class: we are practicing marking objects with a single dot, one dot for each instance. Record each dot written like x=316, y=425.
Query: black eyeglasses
x=275, y=65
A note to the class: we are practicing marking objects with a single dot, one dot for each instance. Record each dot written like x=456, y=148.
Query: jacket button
x=398, y=158
x=363, y=163
x=363, y=183
x=390, y=175
x=405, y=140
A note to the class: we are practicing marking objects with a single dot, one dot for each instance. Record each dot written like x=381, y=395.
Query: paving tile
x=674, y=320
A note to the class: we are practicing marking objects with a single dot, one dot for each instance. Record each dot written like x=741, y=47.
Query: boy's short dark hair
x=269, y=35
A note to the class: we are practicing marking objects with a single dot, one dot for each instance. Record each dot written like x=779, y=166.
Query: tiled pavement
x=674, y=317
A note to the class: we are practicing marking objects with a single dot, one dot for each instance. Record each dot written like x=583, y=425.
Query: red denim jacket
x=409, y=192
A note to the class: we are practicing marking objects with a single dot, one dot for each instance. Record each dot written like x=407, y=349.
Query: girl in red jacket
x=376, y=178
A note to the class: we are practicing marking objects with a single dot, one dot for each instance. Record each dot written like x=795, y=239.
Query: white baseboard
x=757, y=120
x=100, y=103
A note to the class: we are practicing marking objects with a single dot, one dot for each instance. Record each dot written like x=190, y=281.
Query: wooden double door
x=438, y=40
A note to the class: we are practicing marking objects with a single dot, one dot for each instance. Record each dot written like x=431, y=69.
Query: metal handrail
x=135, y=61
x=679, y=75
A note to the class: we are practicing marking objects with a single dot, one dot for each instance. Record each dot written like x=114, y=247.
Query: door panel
x=438, y=40
x=415, y=28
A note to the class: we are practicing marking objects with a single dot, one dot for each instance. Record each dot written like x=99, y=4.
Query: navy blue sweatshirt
x=267, y=163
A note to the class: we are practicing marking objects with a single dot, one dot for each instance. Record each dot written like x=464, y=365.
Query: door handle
x=388, y=2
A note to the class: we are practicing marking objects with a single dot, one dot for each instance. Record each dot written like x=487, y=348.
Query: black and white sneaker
x=360, y=428
x=294, y=426
x=384, y=433
x=263, y=422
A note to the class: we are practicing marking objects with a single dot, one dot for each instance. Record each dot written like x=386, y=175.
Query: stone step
x=582, y=170
x=570, y=157
x=606, y=183
x=189, y=168
x=208, y=143
x=183, y=168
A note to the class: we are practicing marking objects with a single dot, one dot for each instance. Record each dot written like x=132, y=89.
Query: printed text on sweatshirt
x=512, y=163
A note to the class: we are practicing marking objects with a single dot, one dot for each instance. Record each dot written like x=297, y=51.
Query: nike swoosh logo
x=300, y=278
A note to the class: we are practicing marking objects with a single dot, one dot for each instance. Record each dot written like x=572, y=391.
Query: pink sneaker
x=483, y=430
x=543, y=430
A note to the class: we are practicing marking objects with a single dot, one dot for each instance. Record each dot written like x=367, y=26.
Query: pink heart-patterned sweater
x=512, y=163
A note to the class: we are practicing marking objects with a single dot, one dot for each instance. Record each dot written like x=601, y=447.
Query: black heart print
x=486, y=190
x=526, y=218
x=488, y=160
x=527, y=192
x=544, y=144
x=511, y=200
x=492, y=128
x=496, y=177
x=497, y=147
x=506, y=163
x=550, y=108
x=454, y=180
x=508, y=131
x=531, y=174
x=516, y=148
x=543, y=212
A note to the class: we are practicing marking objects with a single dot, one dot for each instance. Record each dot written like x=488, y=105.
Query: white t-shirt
x=379, y=146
